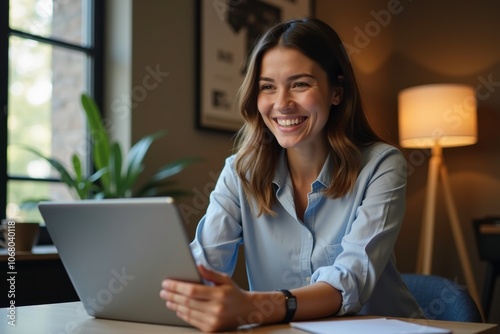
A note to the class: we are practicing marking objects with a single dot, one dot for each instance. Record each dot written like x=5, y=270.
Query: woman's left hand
x=209, y=308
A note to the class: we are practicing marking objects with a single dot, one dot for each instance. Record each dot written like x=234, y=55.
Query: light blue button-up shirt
x=346, y=242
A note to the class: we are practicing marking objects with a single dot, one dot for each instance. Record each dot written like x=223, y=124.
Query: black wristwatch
x=291, y=305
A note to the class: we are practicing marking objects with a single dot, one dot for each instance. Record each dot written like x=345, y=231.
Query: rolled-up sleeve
x=219, y=233
x=367, y=246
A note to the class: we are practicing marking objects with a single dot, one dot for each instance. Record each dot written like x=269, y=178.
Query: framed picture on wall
x=227, y=30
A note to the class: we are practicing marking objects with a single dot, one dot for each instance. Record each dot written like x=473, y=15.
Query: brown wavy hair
x=346, y=131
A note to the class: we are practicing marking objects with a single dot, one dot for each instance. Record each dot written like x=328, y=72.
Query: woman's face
x=294, y=98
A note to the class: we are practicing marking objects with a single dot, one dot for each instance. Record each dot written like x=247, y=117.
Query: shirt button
x=308, y=279
x=309, y=235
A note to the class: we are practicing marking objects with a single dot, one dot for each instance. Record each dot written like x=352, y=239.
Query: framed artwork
x=227, y=30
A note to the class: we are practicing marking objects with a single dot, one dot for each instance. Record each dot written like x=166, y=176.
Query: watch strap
x=291, y=305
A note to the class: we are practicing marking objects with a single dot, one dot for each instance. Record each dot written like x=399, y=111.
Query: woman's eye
x=300, y=85
x=266, y=87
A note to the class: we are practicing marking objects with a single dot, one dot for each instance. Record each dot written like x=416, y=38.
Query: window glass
x=45, y=81
x=45, y=84
x=58, y=19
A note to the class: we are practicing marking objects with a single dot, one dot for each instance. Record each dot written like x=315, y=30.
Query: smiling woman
x=313, y=195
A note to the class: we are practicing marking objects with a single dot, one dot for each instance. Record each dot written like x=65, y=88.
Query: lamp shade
x=437, y=114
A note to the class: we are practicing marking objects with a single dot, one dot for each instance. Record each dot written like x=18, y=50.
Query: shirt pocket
x=326, y=255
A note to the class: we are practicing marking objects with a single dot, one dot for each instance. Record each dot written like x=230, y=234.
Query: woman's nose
x=283, y=101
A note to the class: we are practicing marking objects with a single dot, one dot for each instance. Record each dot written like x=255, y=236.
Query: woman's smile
x=290, y=122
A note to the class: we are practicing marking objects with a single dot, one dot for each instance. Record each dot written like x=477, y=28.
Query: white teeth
x=289, y=122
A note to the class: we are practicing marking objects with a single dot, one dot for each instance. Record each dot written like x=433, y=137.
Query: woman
x=313, y=194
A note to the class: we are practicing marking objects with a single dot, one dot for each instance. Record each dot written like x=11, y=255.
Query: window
x=50, y=53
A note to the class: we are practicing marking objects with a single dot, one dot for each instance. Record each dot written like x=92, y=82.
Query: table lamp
x=437, y=116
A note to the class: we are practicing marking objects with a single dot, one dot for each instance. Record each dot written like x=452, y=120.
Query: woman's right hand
x=210, y=308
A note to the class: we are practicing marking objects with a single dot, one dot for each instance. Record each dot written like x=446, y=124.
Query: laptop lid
x=117, y=251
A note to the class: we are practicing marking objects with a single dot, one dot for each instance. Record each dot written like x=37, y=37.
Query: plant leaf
x=98, y=135
x=136, y=157
x=115, y=169
x=77, y=166
x=80, y=186
x=88, y=184
x=170, y=169
x=97, y=175
x=65, y=176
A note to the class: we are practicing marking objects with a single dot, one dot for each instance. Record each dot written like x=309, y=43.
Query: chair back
x=442, y=299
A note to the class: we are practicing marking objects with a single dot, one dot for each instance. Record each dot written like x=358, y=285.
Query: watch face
x=292, y=303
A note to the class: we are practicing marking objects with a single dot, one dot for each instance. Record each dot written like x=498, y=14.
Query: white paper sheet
x=367, y=326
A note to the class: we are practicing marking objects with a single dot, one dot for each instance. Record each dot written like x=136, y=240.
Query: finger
x=163, y=294
x=180, y=303
x=179, y=291
x=183, y=288
x=169, y=290
x=167, y=295
x=189, y=310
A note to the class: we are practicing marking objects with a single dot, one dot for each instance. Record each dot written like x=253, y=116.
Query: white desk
x=71, y=318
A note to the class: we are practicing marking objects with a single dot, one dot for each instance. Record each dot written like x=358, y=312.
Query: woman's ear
x=337, y=95
x=338, y=91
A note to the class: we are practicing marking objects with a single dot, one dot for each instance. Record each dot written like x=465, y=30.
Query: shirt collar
x=325, y=175
x=282, y=173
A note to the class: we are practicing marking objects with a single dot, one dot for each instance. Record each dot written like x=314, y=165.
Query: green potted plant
x=115, y=174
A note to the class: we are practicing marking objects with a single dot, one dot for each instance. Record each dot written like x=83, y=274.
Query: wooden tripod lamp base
x=438, y=172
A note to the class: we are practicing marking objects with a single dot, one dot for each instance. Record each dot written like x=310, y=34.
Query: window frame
x=95, y=84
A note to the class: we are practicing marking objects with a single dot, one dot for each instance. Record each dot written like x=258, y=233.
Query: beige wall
x=424, y=42
x=163, y=38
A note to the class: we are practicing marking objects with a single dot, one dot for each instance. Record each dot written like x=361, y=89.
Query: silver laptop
x=117, y=251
